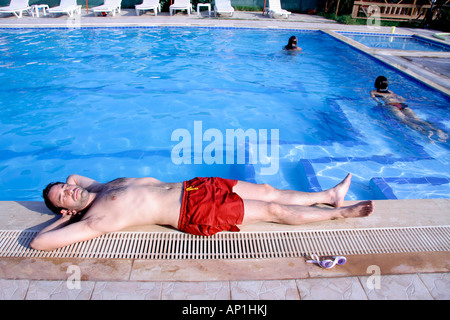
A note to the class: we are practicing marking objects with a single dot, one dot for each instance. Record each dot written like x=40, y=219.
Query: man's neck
x=91, y=200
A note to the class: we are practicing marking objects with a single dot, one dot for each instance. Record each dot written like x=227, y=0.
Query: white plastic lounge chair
x=112, y=6
x=148, y=5
x=275, y=8
x=181, y=5
x=68, y=7
x=223, y=6
x=17, y=7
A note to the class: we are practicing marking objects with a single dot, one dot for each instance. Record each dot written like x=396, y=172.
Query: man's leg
x=264, y=192
x=262, y=211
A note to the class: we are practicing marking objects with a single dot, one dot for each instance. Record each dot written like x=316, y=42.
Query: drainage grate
x=242, y=245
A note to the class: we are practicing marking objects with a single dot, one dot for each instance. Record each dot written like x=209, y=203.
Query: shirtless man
x=400, y=110
x=201, y=206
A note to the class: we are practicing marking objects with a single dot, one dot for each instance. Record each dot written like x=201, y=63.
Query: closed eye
x=63, y=197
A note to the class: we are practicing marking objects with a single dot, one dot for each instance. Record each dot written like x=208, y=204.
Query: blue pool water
x=397, y=42
x=114, y=102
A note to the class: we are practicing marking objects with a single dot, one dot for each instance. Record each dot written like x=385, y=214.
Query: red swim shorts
x=209, y=205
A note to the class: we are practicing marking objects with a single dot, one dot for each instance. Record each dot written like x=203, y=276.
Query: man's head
x=63, y=198
x=381, y=84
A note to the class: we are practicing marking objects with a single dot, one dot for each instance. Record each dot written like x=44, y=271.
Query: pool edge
x=388, y=213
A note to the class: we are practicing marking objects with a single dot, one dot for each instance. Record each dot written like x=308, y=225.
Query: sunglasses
x=328, y=263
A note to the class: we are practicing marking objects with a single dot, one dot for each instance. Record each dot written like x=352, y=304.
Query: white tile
x=208, y=290
x=59, y=290
x=438, y=284
x=331, y=289
x=133, y=290
x=13, y=289
x=396, y=287
x=264, y=290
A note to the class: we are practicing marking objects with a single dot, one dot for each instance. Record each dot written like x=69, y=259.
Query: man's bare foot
x=361, y=209
x=339, y=191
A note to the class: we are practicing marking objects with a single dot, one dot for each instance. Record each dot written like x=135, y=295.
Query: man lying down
x=201, y=206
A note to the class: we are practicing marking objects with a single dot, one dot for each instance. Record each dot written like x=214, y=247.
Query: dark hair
x=47, y=201
x=381, y=83
x=290, y=43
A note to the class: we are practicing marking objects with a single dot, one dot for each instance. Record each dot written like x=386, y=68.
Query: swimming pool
x=397, y=42
x=110, y=102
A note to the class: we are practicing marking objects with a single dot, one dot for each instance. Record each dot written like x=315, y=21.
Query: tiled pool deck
x=401, y=275
x=396, y=287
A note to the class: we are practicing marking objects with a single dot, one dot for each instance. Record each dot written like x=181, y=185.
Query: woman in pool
x=292, y=44
x=400, y=110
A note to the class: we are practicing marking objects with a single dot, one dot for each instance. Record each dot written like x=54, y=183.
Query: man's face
x=69, y=196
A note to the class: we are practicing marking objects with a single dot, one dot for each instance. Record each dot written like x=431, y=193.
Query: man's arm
x=84, y=182
x=62, y=233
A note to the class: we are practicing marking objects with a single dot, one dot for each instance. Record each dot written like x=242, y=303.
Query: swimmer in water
x=401, y=111
x=292, y=45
